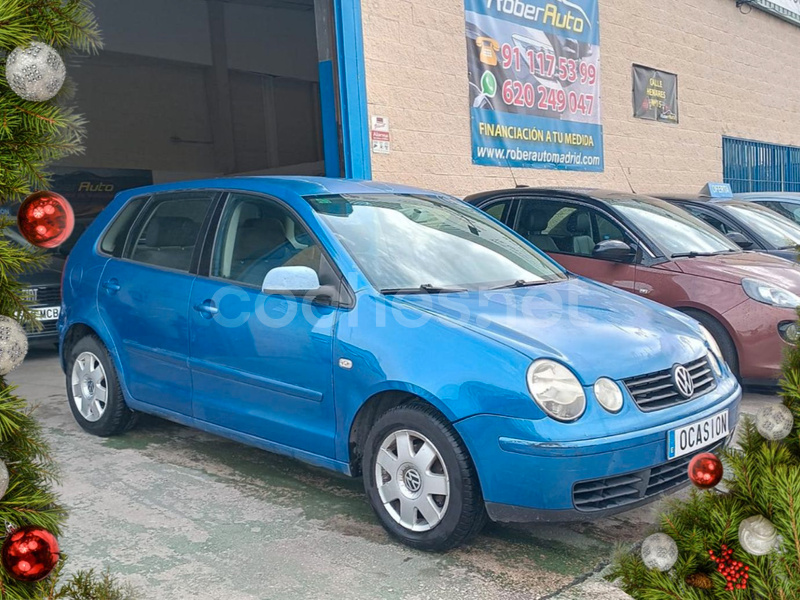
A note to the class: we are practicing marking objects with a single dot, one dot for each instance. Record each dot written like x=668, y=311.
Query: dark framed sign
x=655, y=95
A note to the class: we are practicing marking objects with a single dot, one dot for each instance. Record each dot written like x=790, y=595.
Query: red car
x=747, y=300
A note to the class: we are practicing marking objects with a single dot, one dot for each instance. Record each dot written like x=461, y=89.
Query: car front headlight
x=608, y=394
x=556, y=390
x=717, y=359
x=767, y=293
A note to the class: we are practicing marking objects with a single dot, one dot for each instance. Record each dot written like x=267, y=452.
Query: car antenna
x=510, y=170
x=633, y=191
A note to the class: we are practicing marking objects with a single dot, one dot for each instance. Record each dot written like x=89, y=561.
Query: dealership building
x=454, y=95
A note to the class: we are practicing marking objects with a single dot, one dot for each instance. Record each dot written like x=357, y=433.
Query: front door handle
x=207, y=308
x=112, y=286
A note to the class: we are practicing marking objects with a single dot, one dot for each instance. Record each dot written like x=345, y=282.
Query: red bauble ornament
x=30, y=553
x=705, y=470
x=46, y=219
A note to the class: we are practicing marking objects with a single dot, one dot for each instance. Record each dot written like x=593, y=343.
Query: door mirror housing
x=614, y=251
x=739, y=238
x=290, y=279
x=299, y=281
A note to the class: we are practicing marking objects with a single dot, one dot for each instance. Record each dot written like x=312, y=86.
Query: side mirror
x=290, y=279
x=739, y=238
x=293, y=280
x=614, y=251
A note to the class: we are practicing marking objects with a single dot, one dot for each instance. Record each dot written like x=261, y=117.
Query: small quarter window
x=168, y=232
x=113, y=241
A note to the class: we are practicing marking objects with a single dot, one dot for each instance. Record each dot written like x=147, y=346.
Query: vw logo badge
x=412, y=480
x=683, y=382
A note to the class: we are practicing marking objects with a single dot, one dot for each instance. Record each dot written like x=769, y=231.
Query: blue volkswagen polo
x=393, y=333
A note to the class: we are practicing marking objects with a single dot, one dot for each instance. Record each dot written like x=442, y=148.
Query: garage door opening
x=188, y=89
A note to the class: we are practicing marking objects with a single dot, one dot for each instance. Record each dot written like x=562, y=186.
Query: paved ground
x=181, y=514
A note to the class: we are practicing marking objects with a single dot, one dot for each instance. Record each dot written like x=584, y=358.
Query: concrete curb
x=594, y=588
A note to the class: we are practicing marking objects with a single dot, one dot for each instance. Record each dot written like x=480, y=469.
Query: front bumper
x=760, y=347
x=524, y=480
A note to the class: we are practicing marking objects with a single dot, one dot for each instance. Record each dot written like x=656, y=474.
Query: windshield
x=412, y=242
x=775, y=229
x=675, y=231
x=15, y=236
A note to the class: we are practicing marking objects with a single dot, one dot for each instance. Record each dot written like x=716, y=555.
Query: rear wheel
x=420, y=480
x=722, y=337
x=94, y=393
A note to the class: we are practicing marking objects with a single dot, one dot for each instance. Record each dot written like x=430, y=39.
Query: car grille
x=629, y=488
x=657, y=391
x=47, y=296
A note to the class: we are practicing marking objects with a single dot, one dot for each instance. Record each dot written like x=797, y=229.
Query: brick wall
x=738, y=75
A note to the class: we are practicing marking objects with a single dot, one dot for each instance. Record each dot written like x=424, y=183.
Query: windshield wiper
x=520, y=283
x=426, y=288
x=696, y=254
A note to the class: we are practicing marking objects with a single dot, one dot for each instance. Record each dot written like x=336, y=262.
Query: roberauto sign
x=534, y=83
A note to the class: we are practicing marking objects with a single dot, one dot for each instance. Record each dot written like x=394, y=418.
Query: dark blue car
x=393, y=333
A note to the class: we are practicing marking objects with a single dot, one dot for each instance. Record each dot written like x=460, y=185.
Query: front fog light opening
x=608, y=394
x=790, y=332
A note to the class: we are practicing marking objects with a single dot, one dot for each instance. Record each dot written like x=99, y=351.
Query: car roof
x=299, y=185
x=791, y=196
x=587, y=193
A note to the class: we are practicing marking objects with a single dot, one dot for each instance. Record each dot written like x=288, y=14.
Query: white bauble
x=13, y=345
x=35, y=72
x=3, y=479
x=758, y=536
x=660, y=552
x=774, y=422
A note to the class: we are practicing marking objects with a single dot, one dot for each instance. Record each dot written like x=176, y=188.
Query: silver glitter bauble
x=758, y=536
x=660, y=552
x=3, y=479
x=35, y=72
x=774, y=422
x=13, y=345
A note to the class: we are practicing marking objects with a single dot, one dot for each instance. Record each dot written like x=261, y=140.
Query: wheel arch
x=376, y=405
x=694, y=310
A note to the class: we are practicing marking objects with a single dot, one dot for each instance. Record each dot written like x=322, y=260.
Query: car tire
x=420, y=453
x=93, y=389
x=722, y=337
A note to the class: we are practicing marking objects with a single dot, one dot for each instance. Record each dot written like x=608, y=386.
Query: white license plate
x=49, y=313
x=691, y=438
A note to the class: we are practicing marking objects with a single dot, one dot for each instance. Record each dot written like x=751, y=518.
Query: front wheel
x=421, y=481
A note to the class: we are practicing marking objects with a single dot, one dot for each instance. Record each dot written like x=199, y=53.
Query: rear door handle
x=112, y=286
x=207, y=308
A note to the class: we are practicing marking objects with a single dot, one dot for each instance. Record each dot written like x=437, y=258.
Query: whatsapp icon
x=488, y=84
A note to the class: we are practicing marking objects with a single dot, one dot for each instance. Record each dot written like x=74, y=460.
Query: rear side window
x=167, y=232
x=113, y=241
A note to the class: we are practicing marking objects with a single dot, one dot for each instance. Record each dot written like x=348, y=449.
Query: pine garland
x=763, y=478
x=32, y=135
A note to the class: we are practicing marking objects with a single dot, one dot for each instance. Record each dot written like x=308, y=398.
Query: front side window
x=676, y=232
x=566, y=228
x=410, y=242
x=257, y=235
x=166, y=235
x=778, y=231
x=709, y=218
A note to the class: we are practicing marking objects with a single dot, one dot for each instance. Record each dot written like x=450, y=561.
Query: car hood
x=595, y=329
x=732, y=268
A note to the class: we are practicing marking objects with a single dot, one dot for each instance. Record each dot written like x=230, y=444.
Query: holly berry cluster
x=734, y=572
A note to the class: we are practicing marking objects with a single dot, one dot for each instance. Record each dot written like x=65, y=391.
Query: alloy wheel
x=412, y=480
x=89, y=386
